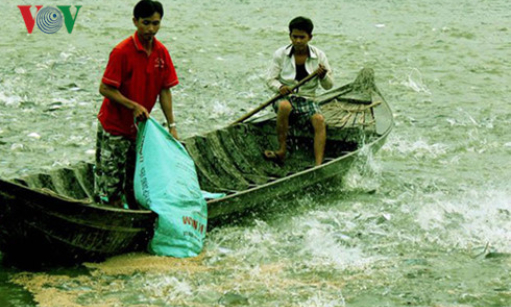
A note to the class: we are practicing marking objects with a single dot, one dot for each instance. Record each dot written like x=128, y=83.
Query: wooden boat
x=50, y=217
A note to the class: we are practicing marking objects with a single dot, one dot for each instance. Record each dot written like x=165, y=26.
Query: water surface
x=425, y=222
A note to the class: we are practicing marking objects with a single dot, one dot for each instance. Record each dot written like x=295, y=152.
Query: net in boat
x=352, y=105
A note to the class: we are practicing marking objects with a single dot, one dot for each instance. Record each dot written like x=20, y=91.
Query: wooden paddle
x=267, y=103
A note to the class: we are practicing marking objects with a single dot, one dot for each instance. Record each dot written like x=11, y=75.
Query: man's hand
x=284, y=90
x=321, y=71
x=173, y=131
x=140, y=113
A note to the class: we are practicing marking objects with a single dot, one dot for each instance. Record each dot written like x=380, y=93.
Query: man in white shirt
x=291, y=64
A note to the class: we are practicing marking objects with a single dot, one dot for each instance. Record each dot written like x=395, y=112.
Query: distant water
x=425, y=222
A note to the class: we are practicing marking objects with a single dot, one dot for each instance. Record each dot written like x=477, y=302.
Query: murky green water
x=437, y=229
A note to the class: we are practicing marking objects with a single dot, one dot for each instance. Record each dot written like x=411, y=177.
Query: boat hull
x=40, y=228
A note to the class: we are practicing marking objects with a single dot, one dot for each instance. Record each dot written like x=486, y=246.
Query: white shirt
x=283, y=71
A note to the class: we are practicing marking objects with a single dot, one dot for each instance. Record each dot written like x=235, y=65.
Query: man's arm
x=166, y=106
x=272, y=77
x=326, y=80
x=112, y=93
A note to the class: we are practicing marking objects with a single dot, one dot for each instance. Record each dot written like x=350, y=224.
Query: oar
x=267, y=103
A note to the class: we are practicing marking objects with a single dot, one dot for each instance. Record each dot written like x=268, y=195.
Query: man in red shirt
x=139, y=70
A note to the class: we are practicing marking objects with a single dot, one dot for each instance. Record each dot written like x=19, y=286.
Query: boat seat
x=345, y=113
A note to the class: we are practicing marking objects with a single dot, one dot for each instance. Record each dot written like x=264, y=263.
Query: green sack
x=166, y=182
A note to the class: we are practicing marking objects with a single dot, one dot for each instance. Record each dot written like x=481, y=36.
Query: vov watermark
x=49, y=19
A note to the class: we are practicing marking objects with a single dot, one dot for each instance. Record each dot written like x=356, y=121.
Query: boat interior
x=227, y=160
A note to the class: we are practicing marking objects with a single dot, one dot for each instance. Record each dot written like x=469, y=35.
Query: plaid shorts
x=303, y=108
x=115, y=166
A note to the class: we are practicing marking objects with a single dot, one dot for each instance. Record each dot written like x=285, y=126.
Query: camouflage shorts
x=115, y=166
x=303, y=109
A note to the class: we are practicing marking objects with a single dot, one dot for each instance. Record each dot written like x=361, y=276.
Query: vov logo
x=49, y=19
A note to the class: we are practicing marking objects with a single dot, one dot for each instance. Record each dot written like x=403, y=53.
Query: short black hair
x=301, y=23
x=146, y=8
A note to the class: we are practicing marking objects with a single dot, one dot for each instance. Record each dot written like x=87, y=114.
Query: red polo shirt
x=139, y=77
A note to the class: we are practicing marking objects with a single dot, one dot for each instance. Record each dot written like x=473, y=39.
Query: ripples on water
x=425, y=222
